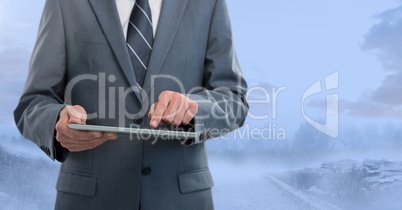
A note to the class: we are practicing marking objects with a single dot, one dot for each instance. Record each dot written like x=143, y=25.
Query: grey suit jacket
x=81, y=58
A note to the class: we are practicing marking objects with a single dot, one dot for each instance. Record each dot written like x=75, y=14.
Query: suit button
x=146, y=171
x=137, y=121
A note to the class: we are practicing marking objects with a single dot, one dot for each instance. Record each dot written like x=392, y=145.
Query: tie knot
x=141, y=8
x=142, y=3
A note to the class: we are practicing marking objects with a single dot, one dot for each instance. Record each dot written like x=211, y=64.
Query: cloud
x=390, y=91
x=385, y=39
x=371, y=109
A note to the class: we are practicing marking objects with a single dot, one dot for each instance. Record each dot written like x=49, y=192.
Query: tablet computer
x=140, y=131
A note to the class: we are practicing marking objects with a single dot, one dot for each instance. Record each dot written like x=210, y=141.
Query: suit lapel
x=169, y=21
x=108, y=17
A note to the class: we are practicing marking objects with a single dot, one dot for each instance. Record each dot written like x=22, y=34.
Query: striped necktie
x=140, y=38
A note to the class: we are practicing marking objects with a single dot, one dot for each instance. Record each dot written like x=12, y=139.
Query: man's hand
x=75, y=140
x=173, y=108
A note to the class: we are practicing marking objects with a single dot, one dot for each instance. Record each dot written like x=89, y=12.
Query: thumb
x=77, y=114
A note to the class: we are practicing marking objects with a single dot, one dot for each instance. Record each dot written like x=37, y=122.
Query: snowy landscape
x=249, y=174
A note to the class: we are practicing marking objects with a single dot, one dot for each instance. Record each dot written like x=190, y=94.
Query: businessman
x=146, y=64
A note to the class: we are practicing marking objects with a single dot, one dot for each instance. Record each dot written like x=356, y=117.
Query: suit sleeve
x=222, y=104
x=42, y=99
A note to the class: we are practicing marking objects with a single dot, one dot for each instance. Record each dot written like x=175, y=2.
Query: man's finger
x=77, y=114
x=181, y=111
x=152, y=110
x=74, y=145
x=81, y=135
x=78, y=137
x=175, y=102
x=160, y=109
x=190, y=112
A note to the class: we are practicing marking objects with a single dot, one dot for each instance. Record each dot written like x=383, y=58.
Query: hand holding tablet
x=75, y=140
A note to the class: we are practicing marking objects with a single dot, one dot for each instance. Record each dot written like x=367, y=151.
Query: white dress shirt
x=124, y=7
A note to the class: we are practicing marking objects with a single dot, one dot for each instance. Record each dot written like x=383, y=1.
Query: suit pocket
x=79, y=184
x=192, y=181
x=94, y=38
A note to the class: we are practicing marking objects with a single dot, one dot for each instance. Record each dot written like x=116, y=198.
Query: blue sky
x=296, y=43
x=288, y=44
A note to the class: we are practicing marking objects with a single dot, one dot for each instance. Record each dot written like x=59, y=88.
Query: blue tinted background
x=291, y=165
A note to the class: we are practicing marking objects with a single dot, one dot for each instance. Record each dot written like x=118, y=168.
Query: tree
x=309, y=140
